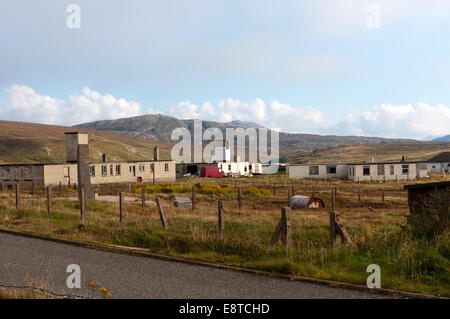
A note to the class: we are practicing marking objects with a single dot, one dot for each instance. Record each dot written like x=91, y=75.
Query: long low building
x=103, y=172
x=360, y=171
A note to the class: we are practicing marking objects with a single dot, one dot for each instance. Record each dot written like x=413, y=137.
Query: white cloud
x=409, y=121
x=25, y=104
x=406, y=121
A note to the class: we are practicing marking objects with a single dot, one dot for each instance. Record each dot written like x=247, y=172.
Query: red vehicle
x=213, y=172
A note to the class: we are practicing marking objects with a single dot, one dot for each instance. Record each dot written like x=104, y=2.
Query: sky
x=341, y=67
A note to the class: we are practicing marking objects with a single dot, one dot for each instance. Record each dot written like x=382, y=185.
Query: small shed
x=299, y=201
x=420, y=194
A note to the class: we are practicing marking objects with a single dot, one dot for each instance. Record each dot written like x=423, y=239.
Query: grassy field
x=407, y=263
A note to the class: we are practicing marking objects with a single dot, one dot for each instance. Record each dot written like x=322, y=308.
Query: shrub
x=256, y=191
x=216, y=190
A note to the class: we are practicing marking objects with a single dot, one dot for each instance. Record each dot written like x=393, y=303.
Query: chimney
x=156, y=153
x=103, y=157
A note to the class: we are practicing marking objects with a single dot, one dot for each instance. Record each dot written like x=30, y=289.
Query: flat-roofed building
x=360, y=171
x=104, y=172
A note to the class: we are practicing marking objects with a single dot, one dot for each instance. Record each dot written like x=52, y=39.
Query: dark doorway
x=192, y=169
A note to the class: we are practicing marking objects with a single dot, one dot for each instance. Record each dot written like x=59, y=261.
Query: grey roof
x=442, y=157
x=428, y=185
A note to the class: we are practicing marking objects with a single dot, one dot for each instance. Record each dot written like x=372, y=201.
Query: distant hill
x=445, y=138
x=37, y=143
x=419, y=151
x=159, y=127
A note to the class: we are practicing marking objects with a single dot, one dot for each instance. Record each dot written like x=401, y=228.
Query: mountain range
x=22, y=142
x=293, y=147
x=445, y=138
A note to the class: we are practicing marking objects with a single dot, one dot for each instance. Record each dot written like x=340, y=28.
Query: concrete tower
x=77, y=151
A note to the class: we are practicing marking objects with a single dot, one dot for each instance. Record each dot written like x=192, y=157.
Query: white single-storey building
x=360, y=171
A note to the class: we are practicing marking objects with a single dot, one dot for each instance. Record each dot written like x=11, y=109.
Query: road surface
x=23, y=260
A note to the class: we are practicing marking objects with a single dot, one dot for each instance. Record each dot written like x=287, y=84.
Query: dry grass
x=38, y=143
x=380, y=238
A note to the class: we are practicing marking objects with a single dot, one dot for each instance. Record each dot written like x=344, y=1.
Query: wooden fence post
x=143, y=195
x=359, y=194
x=274, y=189
x=193, y=197
x=283, y=229
x=333, y=201
x=286, y=213
x=332, y=228
x=220, y=215
x=83, y=203
x=335, y=191
x=161, y=213
x=336, y=227
x=49, y=200
x=290, y=197
x=121, y=205
x=17, y=195
x=32, y=188
x=382, y=196
x=239, y=199
x=313, y=192
x=60, y=188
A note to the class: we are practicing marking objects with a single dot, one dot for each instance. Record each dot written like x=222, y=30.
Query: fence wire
x=42, y=291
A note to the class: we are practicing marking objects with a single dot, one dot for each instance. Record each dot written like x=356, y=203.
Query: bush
x=257, y=191
x=163, y=188
x=216, y=190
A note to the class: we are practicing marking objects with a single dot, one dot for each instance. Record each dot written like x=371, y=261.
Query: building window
x=314, y=170
x=66, y=171
x=141, y=167
x=366, y=170
x=152, y=167
x=111, y=170
x=392, y=169
x=92, y=170
x=380, y=170
x=131, y=168
x=331, y=169
x=117, y=170
x=245, y=168
x=405, y=169
x=229, y=167
x=166, y=167
x=104, y=170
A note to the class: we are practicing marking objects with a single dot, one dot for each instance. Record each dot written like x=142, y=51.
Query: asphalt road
x=26, y=260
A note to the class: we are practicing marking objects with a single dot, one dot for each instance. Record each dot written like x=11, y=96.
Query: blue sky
x=297, y=66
